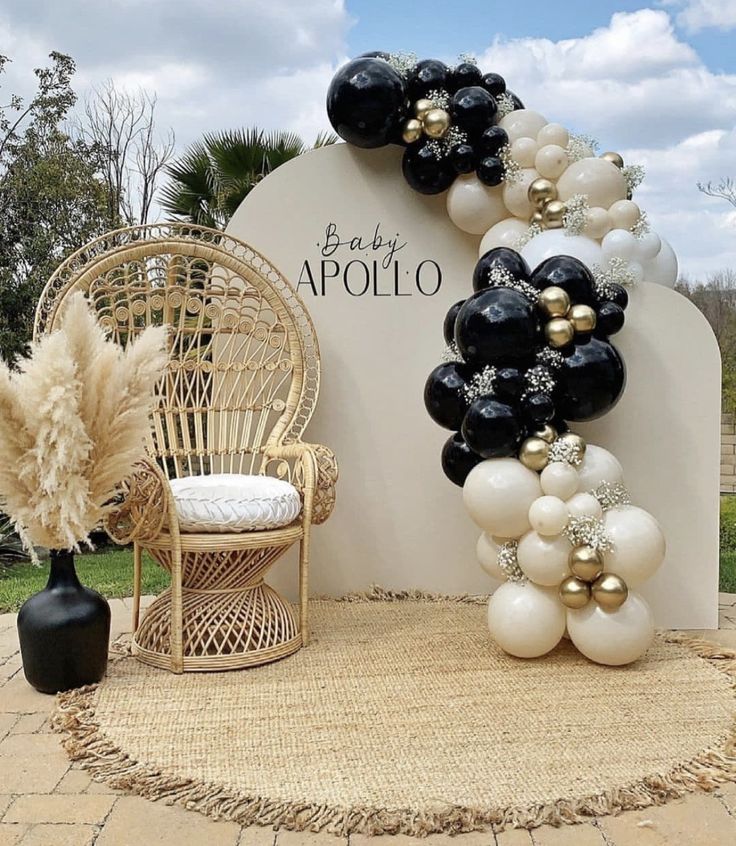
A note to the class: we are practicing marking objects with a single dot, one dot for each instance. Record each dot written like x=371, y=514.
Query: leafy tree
x=214, y=175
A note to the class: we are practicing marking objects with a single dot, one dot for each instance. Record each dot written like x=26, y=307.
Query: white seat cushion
x=232, y=502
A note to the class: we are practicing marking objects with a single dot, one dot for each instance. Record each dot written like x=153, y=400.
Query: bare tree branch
x=725, y=189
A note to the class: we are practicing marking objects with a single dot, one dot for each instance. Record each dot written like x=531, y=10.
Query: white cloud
x=695, y=15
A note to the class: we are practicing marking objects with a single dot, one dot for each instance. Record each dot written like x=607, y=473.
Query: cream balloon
x=487, y=551
x=638, y=544
x=553, y=133
x=662, y=269
x=612, y=637
x=522, y=123
x=548, y=515
x=544, y=560
x=551, y=161
x=526, y=620
x=597, y=222
x=554, y=242
x=619, y=243
x=559, y=479
x=597, y=179
x=649, y=246
x=507, y=233
x=516, y=193
x=498, y=493
x=524, y=151
x=473, y=206
x=624, y=214
x=599, y=465
x=584, y=505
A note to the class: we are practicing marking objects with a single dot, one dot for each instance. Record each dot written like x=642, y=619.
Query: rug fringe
x=376, y=593
x=84, y=742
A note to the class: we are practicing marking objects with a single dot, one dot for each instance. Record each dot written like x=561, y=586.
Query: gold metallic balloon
x=559, y=332
x=536, y=218
x=534, y=453
x=582, y=318
x=553, y=214
x=574, y=440
x=541, y=191
x=586, y=563
x=421, y=107
x=574, y=593
x=546, y=433
x=412, y=131
x=553, y=301
x=614, y=158
x=436, y=123
x=609, y=591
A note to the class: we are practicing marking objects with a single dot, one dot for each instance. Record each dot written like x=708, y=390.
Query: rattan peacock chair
x=240, y=388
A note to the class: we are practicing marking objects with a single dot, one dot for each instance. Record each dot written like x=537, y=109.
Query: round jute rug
x=402, y=716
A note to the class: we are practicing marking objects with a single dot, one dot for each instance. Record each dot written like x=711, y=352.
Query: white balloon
x=599, y=465
x=619, y=243
x=554, y=242
x=636, y=271
x=553, y=133
x=649, y=246
x=473, y=206
x=487, y=552
x=526, y=620
x=522, y=123
x=584, y=505
x=638, y=544
x=504, y=234
x=624, y=214
x=559, y=479
x=523, y=151
x=516, y=193
x=544, y=560
x=597, y=179
x=548, y=515
x=662, y=269
x=597, y=222
x=612, y=637
x=498, y=493
x=551, y=161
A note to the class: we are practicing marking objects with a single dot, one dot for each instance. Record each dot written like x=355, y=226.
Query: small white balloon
x=612, y=637
x=544, y=560
x=524, y=151
x=516, y=193
x=649, y=246
x=662, y=269
x=597, y=179
x=554, y=242
x=526, y=620
x=522, y=123
x=498, y=493
x=619, y=243
x=584, y=505
x=636, y=272
x=548, y=515
x=507, y=233
x=553, y=133
x=599, y=465
x=624, y=214
x=473, y=206
x=559, y=479
x=487, y=551
x=551, y=161
x=638, y=544
x=597, y=222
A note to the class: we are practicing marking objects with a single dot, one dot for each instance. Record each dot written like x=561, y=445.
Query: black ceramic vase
x=64, y=631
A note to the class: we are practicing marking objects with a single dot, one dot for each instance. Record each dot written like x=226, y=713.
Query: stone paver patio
x=47, y=801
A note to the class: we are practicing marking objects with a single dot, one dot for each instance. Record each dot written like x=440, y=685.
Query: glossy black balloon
x=619, y=295
x=366, y=102
x=425, y=172
x=492, y=429
x=499, y=257
x=444, y=397
x=567, y=273
x=490, y=171
x=458, y=459
x=509, y=384
x=473, y=110
x=494, y=84
x=538, y=409
x=590, y=380
x=374, y=54
x=515, y=100
x=428, y=75
x=464, y=75
x=496, y=326
x=610, y=319
x=462, y=158
x=448, y=328
x=492, y=140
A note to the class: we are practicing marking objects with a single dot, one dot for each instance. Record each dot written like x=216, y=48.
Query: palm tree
x=209, y=181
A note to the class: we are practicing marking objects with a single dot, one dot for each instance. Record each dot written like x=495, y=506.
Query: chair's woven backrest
x=244, y=369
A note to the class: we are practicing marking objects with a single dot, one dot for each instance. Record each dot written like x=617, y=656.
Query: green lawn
x=109, y=571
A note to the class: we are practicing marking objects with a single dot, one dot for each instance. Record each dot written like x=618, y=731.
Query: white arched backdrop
x=366, y=254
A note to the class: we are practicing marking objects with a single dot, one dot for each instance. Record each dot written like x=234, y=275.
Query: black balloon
x=425, y=172
x=465, y=74
x=444, y=395
x=567, y=273
x=492, y=140
x=496, y=326
x=366, y=102
x=619, y=295
x=515, y=100
x=428, y=75
x=509, y=384
x=490, y=171
x=590, y=380
x=494, y=84
x=499, y=257
x=538, y=409
x=462, y=158
x=458, y=459
x=374, y=54
x=473, y=109
x=491, y=428
x=448, y=329
x=610, y=319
